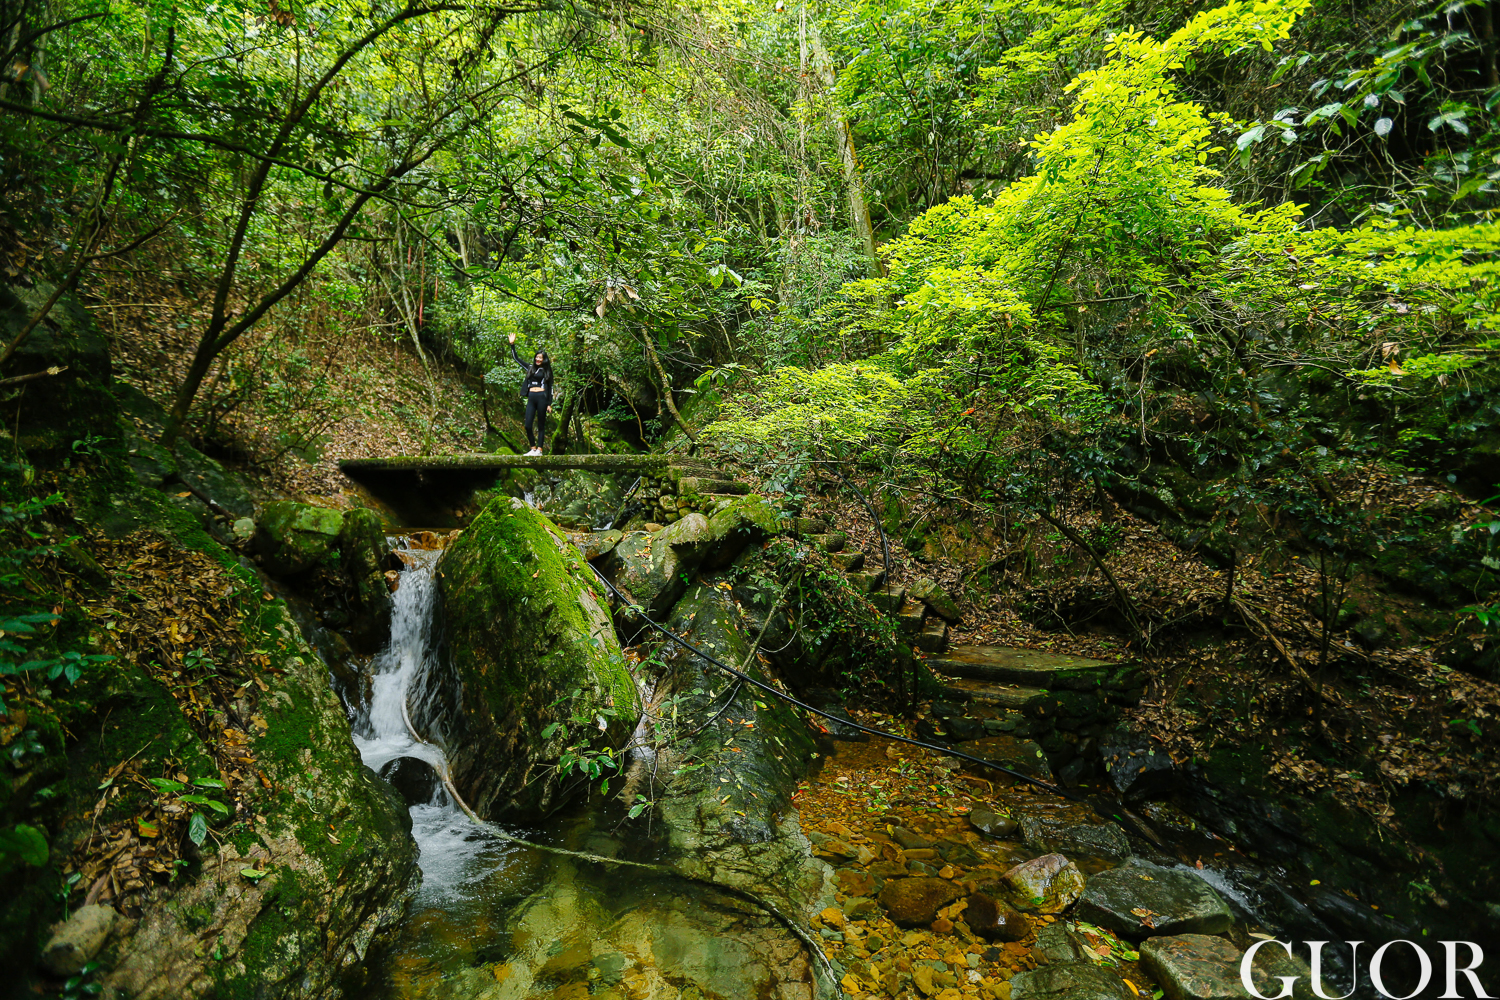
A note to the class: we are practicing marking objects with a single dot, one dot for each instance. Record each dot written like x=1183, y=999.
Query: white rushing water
x=454, y=849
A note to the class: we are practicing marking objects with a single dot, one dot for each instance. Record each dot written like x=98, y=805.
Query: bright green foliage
x=1123, y=206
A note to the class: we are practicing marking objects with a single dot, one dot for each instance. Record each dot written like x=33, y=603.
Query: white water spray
x=453, y=849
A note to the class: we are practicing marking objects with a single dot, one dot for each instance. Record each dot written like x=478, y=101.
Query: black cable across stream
x=747, y=679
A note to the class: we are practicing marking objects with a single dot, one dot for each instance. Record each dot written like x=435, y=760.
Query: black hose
x=746, y=678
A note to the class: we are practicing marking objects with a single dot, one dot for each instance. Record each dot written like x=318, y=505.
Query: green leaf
x=25, y=842
x=255, y=874
x=204, y=800
x=167, y=784
x=197, y=829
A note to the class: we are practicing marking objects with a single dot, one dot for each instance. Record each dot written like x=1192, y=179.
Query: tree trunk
x=854, y=185
x=560, y=436
x=666, y=390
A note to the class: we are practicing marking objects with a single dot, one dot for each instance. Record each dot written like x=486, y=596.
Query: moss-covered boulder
x=362, y=550
x=727, y=806
x=336, y=842
x=537, y=661
x=295, y=536
x=332, y=839
x=651, y=568
x=744, y=521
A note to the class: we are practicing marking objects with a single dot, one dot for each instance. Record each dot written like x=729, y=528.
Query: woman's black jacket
x=535, y=375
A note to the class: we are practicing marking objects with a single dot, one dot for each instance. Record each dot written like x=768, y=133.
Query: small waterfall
x=453, y=848
x=382, y=733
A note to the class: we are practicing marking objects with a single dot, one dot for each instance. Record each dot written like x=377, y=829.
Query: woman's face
x=540, y=358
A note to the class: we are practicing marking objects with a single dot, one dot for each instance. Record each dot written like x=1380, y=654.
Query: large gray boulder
x=651, y=568
x=729, y=816
x=1176, y=901
x=539, y=665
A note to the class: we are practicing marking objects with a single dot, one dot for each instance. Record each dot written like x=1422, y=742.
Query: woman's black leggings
x=536, y=409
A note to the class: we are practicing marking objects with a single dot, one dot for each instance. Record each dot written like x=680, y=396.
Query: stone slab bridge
x=434, y=490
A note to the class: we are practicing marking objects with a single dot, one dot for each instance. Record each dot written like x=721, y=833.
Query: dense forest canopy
x=1026, y=276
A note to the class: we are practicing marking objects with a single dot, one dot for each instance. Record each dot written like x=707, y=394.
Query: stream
x=495, y=920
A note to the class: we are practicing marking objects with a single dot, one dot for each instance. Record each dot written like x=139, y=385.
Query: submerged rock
x=539, y=668
x=1007, y=751
x=914, y=902
x=1070, y=981
x=1194, y=966
x=1176, y=901
x=993, y=919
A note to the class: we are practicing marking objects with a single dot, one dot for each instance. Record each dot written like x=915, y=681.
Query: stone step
x=889, y=601
x=1025, y=667
x=849, y=562
x=867, y=582
x=910, y=617
x=809, y=526
x=1004, y=695
x=696, y=484
x=933, y=638
x=833, y=541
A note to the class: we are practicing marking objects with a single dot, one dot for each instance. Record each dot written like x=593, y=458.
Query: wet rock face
x=914, y=902
x=1048, y=884
x=993, y=919
x=525, y=631
x=730, y=818
x=413, y=779
x=1177, y=902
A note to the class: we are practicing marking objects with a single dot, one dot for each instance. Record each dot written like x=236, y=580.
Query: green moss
x=522, y=576
x=525, y=632
x=272, y=946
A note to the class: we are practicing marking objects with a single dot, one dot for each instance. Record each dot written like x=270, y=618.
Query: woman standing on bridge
x=536, y=390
